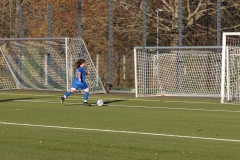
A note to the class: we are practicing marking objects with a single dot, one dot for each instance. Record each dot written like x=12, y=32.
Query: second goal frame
x=230, y=78
x=178, y=71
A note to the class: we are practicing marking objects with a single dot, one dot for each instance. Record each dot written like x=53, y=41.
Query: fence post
x=79, y=18
x=124, y=67
x=180, y=24
x=180, y=60
x=219, y=43
x=97, y=67
x=20, y=47
x=144, y=45
x=111, y=42
x=48, y=55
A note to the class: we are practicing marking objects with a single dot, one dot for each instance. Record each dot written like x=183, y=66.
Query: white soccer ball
x=100, y=102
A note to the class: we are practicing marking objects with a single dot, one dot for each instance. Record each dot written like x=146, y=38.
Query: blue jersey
x=83, y=73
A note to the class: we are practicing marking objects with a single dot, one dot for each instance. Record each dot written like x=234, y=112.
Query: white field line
x=137, y=99
x=186, y=109
x=161, y=101
x=147, y=100
x=127, y=106
x=18, y=94
x=116, y=131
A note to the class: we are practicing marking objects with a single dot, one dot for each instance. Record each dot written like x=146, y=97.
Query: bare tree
x=199, y=19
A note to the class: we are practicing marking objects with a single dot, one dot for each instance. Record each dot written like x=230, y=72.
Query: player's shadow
x=14, y=99
x=108, y=102
x=94, y=104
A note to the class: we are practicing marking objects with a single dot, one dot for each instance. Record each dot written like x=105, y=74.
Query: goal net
x=178, y=71
x=44, y=64
x=230, y=87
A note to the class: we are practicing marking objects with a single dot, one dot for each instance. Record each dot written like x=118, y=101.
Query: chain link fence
x=198, y=23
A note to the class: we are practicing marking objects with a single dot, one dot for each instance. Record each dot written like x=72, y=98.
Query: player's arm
x=88, y=73
x=79, y=76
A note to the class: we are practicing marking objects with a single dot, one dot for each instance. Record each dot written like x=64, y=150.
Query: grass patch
x=193, y=117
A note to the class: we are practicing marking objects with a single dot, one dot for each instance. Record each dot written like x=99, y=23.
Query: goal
x=230, y=87
x=44, y=64
x=178, y=71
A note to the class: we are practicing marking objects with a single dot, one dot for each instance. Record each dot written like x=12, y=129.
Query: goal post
x=230, y=79
x=178, y=71
x=44, y=64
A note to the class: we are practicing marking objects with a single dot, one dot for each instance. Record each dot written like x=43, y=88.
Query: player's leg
x=86, y=94
x=68, y=93
x=74, y=87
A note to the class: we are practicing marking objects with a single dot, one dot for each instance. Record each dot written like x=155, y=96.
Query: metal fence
x=112, y=28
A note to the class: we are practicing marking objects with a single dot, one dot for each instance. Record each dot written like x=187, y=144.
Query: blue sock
x=67, y=94
x=86, y=96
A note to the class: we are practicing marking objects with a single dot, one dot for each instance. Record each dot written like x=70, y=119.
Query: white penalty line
x=185, y=109
x=146, y=107
x=125, y=132
x=137, y=99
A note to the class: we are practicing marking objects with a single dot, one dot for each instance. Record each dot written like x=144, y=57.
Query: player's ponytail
x=79, y=62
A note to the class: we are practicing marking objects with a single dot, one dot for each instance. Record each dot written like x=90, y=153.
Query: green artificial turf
x=124, y=128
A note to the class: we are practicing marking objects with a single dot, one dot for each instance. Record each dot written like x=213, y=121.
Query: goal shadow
x=94, y=104
x=14, y=99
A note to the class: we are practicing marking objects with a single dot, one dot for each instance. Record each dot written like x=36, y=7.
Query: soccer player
x=79, y=82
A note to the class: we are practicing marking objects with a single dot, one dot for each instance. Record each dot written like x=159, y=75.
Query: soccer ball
x=100, y=102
